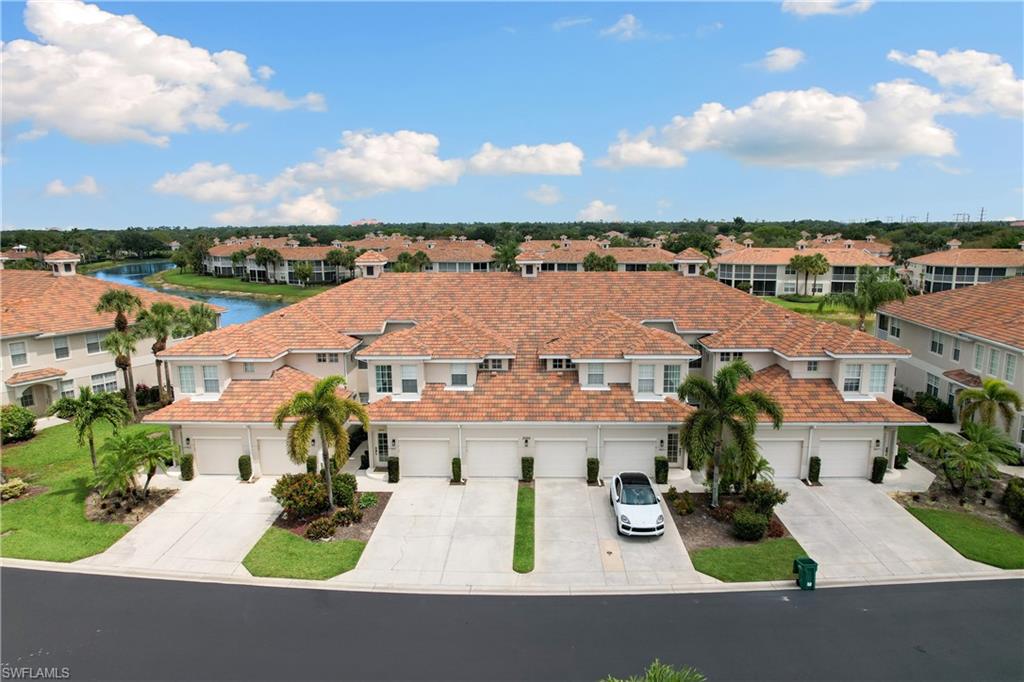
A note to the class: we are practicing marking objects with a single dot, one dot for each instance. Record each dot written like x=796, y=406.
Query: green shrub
x=593, y=468
x=367, y=500
x=747, y=524
x=527, y=464
x=763, y=496
x=343, y=485
x=661, y=470
x=814, y=469
x=684, y=503
x=311, y=464
x=188, y=470
x=12, y=488
x=321, y=529
x=672, y=494
x=245, y=467
x=662, y=672
x=878, y=467
x=342, y=517
x=899, y=396
x=933, y=409
x=364, y=461
x=393, y=470
x=1013, y=499
x=456, y=470
x=301, y=495
x=902, y=457
x=16, y=423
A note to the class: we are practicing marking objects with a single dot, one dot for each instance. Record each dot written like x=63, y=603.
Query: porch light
x=661, y=444
x=394, y=444
x=188, y=442
x=526, y=441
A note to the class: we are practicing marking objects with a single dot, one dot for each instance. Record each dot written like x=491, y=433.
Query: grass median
x=283, y=554
x=522, y=554
x=765, y=560
x=974, y=538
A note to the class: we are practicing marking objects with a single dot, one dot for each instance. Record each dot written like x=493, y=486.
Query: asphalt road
x=124, y=628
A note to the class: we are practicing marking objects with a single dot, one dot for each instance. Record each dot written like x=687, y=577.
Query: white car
x=636, y=505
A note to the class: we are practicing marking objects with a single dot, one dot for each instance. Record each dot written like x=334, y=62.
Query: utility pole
x=981, y=218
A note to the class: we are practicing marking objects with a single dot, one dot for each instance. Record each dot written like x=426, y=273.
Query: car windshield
x=638, y=494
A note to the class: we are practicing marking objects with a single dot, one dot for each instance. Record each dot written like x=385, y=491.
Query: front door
x=382, y=448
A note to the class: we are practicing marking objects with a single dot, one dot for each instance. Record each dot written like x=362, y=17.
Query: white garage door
x=845, y=458
x=560, y=459
x=627, y=455
x=784, y=456
x=424, y=457
x=274, y=459
x=217, y=455
x=491, y=459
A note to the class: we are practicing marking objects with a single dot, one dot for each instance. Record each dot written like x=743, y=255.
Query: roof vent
x=748, y=243
x=953, y=244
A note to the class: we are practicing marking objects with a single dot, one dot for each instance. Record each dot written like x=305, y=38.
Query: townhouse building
x=767, y=272
x=955, y=268
x=836, y=241
x=567, y=255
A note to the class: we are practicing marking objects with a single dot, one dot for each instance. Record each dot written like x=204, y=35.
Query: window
x=595, y=374
x=729, y=357
x=812, y=365
x=382, y=445
x=211, y=380
x=383, y=374
x=851, y=380
x=409, y=381
x=1011, y=368
x=956, y=350
x=937, y=345
x=187, y=378
x=562, y=363
x=894, y=328
x=670, y=378
x=879, y=373
x=248, y=367
x=105, y=383
x=93, y=341
x=493, y=364
x=645, y=379
x=326, y=357
x=67, y=388
x=979, y=356
x=932, y=388
x=993, y=361
x=883, y=322
x=60, y=347
x=672, y=451
x=19, y=356
x=460, y=375
x=991, y=274
x=27, y=399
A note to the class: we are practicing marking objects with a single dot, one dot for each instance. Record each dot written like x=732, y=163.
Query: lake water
x=239, y=308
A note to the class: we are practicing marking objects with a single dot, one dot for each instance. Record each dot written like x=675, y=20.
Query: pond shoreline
x=158, y=281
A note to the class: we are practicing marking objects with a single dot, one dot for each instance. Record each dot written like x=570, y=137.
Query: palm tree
x=87, y=410
x=874, y=289
x=997, y=442
x=267, y=257
x=119, y=301
x=995, y=397
x=321, y=411
x=798, y=264
x=121, y=345
x=159, y=322
x=342, y=258
x=817, y=265
x=198, y=319
x=421, y=260
x=141, y=450
x=962, y=460
x=722, y=412
x=118, y=467
x=303, y=273
x=238, y=258
x=505, y=256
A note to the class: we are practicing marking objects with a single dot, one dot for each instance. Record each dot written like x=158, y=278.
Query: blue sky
x=112, y=122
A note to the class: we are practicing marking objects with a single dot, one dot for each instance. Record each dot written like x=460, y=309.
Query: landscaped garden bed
x=375, y=504
x=128, y=512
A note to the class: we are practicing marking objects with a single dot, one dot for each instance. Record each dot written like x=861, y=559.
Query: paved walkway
x=853, y=529
x=207, y=528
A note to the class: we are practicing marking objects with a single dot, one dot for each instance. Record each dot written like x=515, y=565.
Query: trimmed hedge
x=301, y=495
x=593, y=468
x=814, y=469
x=393, y=471
x=321, y=529
x=763, y=496
x=188, y=471
x=878, y=467
x=1013, y=499
x=16, y=423
x=311, y=464
x=902, y=457
x=456, y=470
x=747, y=524
x=245, y=467
x=527, y=464
x=661, y=469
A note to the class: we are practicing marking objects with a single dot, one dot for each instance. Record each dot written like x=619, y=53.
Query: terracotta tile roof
x=963, y=377
x=577, y=250
x=993, y=311
x=452, y=335
x=818, y=400
x=36, y=302
x=62, y=255
x=22, y=255
x=782, y=256
x=611, y=335
x=875, y=247
x=442, y=251
x=527, y=392
x=983, y=258
x=266, y=242
x=691, y=253
x=34, y=375
x=244, y=400
x=371, y=257
x=375, y=242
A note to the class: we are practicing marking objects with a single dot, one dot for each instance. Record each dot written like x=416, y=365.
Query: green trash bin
x=806, y=570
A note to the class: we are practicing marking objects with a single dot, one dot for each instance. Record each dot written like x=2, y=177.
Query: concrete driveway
x=853, y=529
x=207, y=527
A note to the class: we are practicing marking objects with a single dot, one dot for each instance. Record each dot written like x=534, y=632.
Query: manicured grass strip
x=975, y=538
x=912, y=435
x=208, y=283
x=282, y=554
x=522, y=554
x=52, y=526
x=766, y=560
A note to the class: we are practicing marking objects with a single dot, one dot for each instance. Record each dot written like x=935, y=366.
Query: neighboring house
x=767, y=273
x=174, y=246
x=20, y=252
x=959, y=337
x=493, y=367
x=955, y=268
x=446, y=255
x=836, y=241
x=51, y=334
x=567, y=255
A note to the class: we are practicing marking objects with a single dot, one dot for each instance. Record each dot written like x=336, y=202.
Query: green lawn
x=522, y=555
x=975, y=538
x=52, y=526
x=765, y=560
x=286, y=292
x=912, y=435
x=283, y=554
x=840, y=316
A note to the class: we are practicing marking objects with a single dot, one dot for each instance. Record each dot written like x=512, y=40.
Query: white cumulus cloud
x=570, y=22
x=217, y=183
x=628, y=27
x=781, y=59
x=545, y=194
x=807, y=8
x=102, y=77
x=638, y=150
x=980, y=82
x=542, y=159
x=598, y=211
x=308, y=209
x=57, y=188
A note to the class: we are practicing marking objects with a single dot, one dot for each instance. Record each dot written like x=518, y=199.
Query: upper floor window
x=1011, y=368
x=812, y=365
x=956, y=350
x=493, y=364
x=383, y=375
x=932, y=387
x=562, y=363
x=61, y=350
x=937, y=346
x=993, y=362
x=19, y=354
x=671, y=378
x=595, y=374
x=991, y=274
x=93, y=341
x=979, y=356
x=883, y=322
x=460, y=374
x=729, y=357
x=851, y=379
x=211, y=380
x=879, y=374
x=894, y=328
x=645, y=379
x=187, y=379
x=410, y=383
x=248, y=367
x=327, y=357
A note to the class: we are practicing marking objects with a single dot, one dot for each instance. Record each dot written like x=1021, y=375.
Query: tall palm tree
x=198, y=319
x=874, y=289
x=121, y=345
x=994, y=440
x=798, y=264
x=817, y=265
x=159, y=323
x=723, y=413
x=505, y=256
x=342, y=258
x=321, y=411
x=995, y=397
x=87, y=410
x=121, y=302
x=266, y=258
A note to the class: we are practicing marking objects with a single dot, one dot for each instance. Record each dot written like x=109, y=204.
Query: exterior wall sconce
x=661, y=444
x=526, y=441
x=188, y=442
x=394, y=444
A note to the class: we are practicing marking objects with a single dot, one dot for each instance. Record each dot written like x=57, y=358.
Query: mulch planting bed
x=357, y=531
x=131, y=513
x=701, y=530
